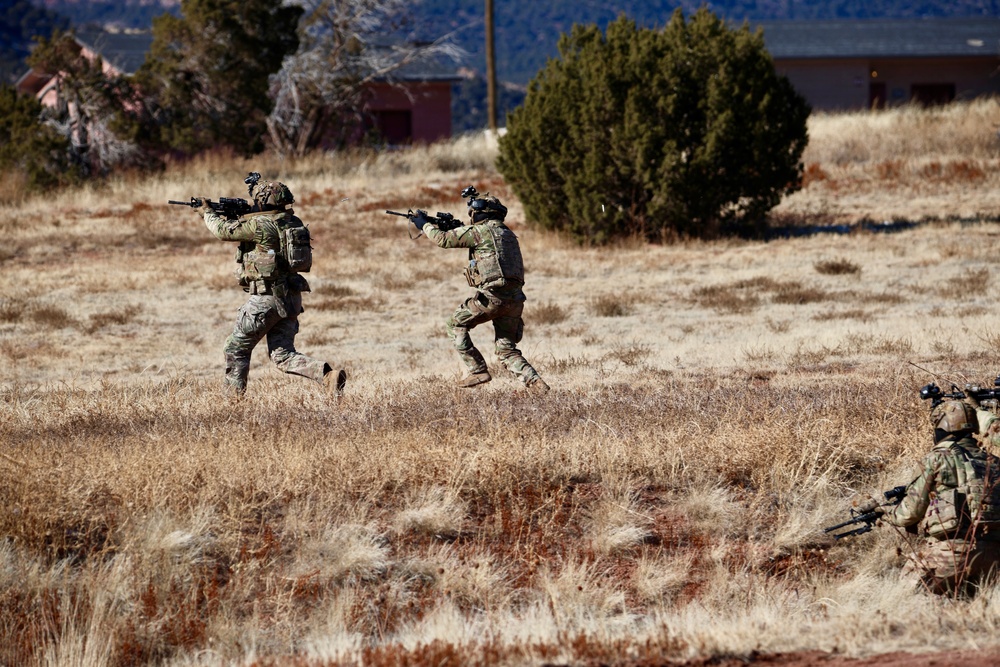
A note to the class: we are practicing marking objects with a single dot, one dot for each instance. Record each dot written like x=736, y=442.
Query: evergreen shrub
x=31, y=151
x=685, y=131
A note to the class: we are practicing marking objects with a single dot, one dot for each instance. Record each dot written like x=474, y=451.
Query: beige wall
x=828, y=84
x=844, y=83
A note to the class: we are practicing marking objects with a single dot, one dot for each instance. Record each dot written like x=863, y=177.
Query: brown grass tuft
x=837, y=267
x=546, y=313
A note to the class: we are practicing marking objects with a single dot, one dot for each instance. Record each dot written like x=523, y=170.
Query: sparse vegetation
x=836, y=267
x=662, y=503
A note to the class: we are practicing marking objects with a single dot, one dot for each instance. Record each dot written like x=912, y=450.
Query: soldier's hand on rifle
x=420, y=219
x=970, y=398
x=865, y=505
x=205, y=205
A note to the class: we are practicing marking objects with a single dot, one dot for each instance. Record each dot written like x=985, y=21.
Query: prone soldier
x=953, y=504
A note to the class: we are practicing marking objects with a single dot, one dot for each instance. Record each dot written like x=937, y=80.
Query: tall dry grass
x=713, y=406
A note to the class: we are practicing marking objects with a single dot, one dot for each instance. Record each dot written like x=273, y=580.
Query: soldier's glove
x=420, y=219
x=863, y=506
x=969, y=398
x=205, y=205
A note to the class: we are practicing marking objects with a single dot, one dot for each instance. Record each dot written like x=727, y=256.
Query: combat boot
x=475, y=379
x=335, y=380
x=538, y=386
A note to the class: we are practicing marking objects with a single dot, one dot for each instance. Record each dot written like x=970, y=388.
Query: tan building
x=856, y=64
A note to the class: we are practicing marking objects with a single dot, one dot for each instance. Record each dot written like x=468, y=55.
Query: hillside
x=527, y=31
x=21, y=20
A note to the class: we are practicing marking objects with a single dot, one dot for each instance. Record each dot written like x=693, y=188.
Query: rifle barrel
x=180, y=203
x=402, y=215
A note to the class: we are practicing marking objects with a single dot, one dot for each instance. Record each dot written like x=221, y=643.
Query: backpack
x=296, y=247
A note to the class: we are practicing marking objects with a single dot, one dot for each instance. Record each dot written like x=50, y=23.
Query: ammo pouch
x=260, y=265
x=945, y=515
x=489, y=271
x=471, y=276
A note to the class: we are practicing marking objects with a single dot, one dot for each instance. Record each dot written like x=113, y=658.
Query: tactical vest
x=275, y=255
x=498, y=263
x=967, y=498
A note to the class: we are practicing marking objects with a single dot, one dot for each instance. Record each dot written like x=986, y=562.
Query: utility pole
x=491, y=70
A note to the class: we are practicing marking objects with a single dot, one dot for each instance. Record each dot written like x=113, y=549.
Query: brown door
x=395, y=127
x=876, y=95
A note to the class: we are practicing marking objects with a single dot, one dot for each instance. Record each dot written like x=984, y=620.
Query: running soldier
x=274, y=249
x=497, y=272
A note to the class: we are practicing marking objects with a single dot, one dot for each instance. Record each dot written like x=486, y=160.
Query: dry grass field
x=714, y=405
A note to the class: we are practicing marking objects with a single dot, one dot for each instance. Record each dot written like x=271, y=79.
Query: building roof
x=882, y=38
x=125, y=50
x=436, y=67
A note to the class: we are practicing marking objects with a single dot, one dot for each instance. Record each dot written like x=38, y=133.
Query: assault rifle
x=868, y=513
x=931, y=392
x=228, y=207
x=443, y=221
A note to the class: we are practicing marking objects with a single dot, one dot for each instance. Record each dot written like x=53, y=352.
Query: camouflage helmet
x=486, y=207
x=272, y=195
x=954, y=417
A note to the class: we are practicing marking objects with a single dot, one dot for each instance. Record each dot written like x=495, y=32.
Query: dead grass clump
x=610, y=305
x=567, y=364
x=51, y=317
x=961, y=287
x=11, y=310
x=630, y=354
x=332, y=289
x=849, y=314
x=725, y=299
x=432, y=511
x=349, y=303
x=97, y=321
x=793, y=293
x=837, y=267
x=547, y=313
x=889, y=170
x=814, y=173
x=881, y=298
x=864, y=343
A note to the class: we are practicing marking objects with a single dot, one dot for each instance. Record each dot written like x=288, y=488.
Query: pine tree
x=684, y=131
x=206, y=77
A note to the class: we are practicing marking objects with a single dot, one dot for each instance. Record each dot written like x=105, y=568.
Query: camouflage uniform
x=276, y=297
x=954, y=505
x=496, y=270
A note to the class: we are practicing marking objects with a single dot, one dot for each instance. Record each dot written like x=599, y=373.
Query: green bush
x=686, y=131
